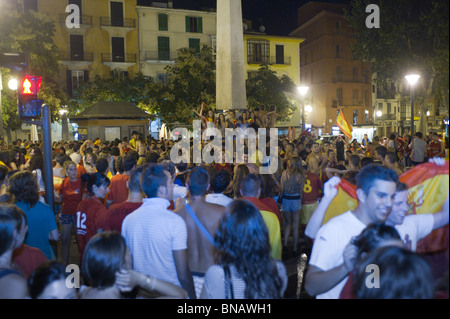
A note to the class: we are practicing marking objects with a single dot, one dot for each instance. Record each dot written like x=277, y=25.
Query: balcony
x=271, y=60
x=121, y=62
x=342, y=78
x=80, y=60
x=117, y=27
x=162, y=57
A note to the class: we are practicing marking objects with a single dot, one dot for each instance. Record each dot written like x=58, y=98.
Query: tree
x=413, y=35
x=268, y=89
x=30, y=32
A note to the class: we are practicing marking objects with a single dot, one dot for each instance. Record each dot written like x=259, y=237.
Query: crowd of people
x=147, y=227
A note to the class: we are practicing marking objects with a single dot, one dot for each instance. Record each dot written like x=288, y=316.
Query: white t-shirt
x=329, y=244
x=219, y=199
x=416, y=227
x=152, y=232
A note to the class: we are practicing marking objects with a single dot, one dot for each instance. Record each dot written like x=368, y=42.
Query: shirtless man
x=200, y=242
x=314, y=159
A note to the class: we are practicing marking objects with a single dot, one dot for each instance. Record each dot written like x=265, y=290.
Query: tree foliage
x=413, y=36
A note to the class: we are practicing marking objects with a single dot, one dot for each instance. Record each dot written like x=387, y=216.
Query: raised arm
x=316, y=220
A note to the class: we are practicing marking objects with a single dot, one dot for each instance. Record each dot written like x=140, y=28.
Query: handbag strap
x=199, y=224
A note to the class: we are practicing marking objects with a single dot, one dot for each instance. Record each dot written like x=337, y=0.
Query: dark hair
x=23, y=187
x=134, y=182
x=381, y=150
x=221, y=181
x=391, y=157
x=61, y=158
x=115, y=151
x=118, y=165
x=3, y=172
x=43, y=276
x=242, y=240
x=401, y=187
x=355, y=160
x=366, y=161
x=129, y=161
x=152, y=178
x=11, y=218
x=370, y=173
x=97, y=179
x=250, y=185
x=101, y=164
x=418, y=134
x=37, y=162
x=102, y=258
x=403, y=275
x=198, y=181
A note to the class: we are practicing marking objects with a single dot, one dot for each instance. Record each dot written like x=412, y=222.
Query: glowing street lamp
x=13, y=84
x=412, y=80
x=303, y=90
x=379, y=113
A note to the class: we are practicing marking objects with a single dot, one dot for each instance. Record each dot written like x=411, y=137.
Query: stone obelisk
x=230, y=66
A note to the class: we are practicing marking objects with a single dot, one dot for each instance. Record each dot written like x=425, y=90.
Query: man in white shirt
x=332, y=254
x=218, y=186
x=413, y=228
x=157, y=237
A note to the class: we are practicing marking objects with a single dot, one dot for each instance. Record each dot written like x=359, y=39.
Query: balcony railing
x=127, y=58
x=349, y=79
x=71, y=56
x=160, y=55
x=124, y=23
x=259, y=59
x=84, y=19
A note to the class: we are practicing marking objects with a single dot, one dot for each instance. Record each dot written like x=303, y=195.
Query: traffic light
x=29, y=104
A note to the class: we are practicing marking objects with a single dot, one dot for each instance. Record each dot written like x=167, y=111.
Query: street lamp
x=13, y=84
x=303, y=90
x=379, y=113
x=412, y=80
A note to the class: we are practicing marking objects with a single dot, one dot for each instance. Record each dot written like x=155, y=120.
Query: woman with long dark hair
x=36, y=166
x=244, y=264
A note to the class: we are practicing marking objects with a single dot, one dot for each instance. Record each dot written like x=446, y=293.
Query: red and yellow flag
x=343, y=124
x=428, y=185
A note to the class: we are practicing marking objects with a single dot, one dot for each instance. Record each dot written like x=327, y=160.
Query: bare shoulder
x=14, y=286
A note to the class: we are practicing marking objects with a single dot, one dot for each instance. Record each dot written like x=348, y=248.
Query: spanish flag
x=343, y=124
x=428, y=186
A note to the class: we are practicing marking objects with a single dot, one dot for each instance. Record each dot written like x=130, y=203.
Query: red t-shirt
x=28, y=259
x=72, y=193
x=312, y=188
x=91, y=216
x=118, y=190
x=434, y=149
x=117, y=213
x=81, y=170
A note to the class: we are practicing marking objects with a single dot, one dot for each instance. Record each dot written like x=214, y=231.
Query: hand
x=440, y=161
x=330, y=188
x=349, y=254
x=126, y=280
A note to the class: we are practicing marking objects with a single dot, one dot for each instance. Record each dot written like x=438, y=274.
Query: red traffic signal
x=31, y=85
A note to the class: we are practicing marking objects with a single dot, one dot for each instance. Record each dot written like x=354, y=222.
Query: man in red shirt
x=118, y=190
x=436, y=147
x=312, y=191
x=117, y=212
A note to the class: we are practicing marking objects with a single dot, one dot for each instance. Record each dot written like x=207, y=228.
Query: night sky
x=278, y=16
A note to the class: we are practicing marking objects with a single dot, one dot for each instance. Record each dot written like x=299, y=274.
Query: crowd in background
x=147, y=227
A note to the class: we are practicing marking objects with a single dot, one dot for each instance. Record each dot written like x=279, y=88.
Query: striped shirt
x=152, y=232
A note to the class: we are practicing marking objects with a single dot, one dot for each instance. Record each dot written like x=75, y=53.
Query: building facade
x=327, y=66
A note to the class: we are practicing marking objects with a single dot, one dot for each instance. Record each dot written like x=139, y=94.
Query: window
x=111, y=133
x=194, y=24
x=338, y=27
x=119, y=74
x=76, y=48
x=76, y=2
x=337, y=51
x=213, y=39
x=355, y=97
x=162, y=77
x=355, y=117
x=163, y=48
x=195, y=45
x=118, y=49
x=339, y=94
x=380, y=106
x=163, y=22
x=258, y=51
x=338, y=74
x=389, y=108
x=279, y=51
x=366, y=116
x=75, y=79
x=312, y=76
x=116, y=14
x=30, y=5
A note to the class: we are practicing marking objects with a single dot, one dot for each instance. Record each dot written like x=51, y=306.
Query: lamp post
x=302, y=90
x=412, y=80
x=64, y=128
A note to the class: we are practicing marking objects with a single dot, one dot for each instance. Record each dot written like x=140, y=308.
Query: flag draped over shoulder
x=427, y=190
x=428, y=185
x=343, y=124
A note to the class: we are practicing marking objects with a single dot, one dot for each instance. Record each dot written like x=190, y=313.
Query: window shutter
x=69, y=82
x=188, y=24
x=200, y=25
x=86, y=76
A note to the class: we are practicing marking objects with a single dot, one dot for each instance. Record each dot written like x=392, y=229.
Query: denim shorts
x=68, y=219
x=291, y=204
